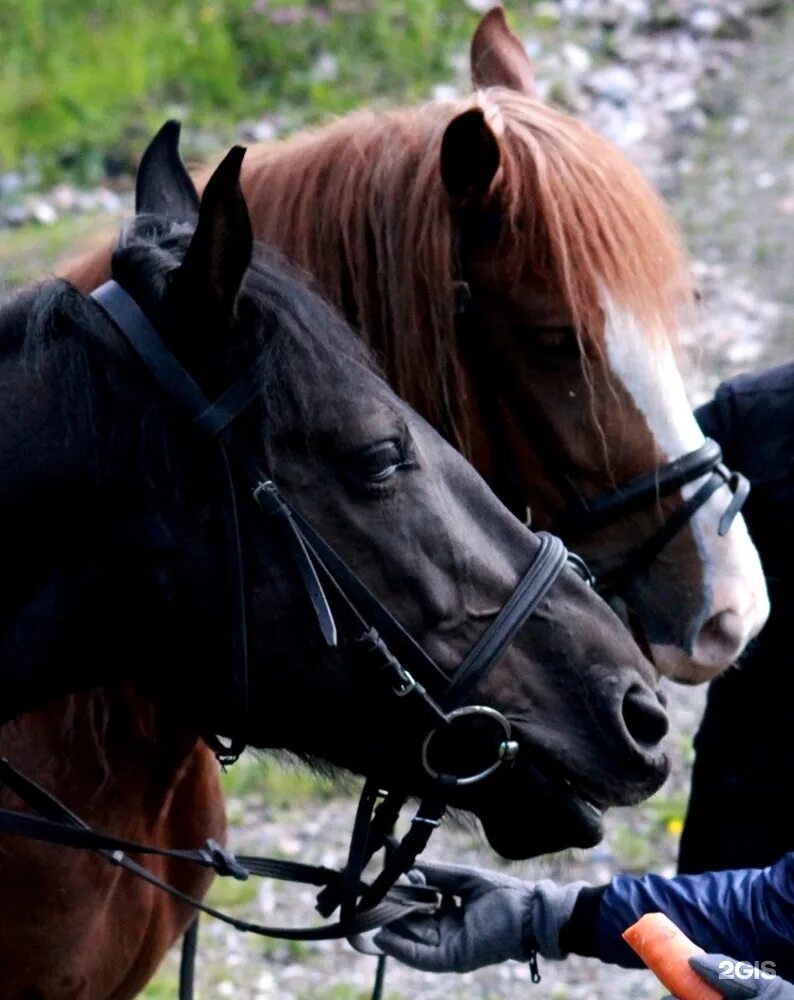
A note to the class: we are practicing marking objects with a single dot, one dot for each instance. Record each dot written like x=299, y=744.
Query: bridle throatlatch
x=338, y=600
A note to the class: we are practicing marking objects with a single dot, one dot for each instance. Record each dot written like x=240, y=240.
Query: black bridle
x=381, y=643
x=583, y=516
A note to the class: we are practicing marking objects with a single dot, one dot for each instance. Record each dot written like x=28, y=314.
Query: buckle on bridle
x=371, y=644
x=506, y=752
x=223, y=860
x=405, y=683
x=266, y=494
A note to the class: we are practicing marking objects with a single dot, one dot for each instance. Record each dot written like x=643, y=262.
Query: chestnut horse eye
x=553, y=344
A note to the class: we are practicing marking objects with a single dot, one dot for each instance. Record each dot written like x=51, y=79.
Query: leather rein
x=382, y=644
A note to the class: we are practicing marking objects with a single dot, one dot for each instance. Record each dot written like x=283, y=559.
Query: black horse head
x=116, y=562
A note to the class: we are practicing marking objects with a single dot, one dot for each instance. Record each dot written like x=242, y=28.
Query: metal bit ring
x=506, y=751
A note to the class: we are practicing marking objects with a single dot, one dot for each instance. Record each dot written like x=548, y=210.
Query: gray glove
x=498, y=917
x=740, y=980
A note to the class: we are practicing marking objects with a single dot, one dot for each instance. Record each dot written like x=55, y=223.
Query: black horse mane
x=287, y=329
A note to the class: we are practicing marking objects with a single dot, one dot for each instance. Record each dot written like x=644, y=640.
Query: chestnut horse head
x=525, y=287
x=120, y=532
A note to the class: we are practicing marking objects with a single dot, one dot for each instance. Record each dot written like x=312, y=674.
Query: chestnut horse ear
x=163, y=185
x=220, y=250
x=498, y=59
x=470, y=156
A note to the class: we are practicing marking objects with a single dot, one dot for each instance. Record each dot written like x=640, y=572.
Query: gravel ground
x=698, y=94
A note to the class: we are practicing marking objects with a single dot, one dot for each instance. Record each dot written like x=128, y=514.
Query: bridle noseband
x=584, y=516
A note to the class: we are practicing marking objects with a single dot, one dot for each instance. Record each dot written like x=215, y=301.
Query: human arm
x=746, y=913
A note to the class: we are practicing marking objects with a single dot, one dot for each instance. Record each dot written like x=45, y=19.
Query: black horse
x=118, y=568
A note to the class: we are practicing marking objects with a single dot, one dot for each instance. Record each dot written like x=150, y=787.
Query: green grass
x=32, y=251
x=282, y=783
x=83, y=83
x=230, y=894
x=645, y=841
x=162, y=987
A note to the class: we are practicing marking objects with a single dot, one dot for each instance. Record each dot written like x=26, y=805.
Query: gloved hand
x=498, y=917
x=721, y=973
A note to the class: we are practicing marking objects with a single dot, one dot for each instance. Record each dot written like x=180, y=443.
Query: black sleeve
x=579, y=934
x=717, y=420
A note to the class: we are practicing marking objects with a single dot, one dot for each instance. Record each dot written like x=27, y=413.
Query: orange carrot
x=666, y=951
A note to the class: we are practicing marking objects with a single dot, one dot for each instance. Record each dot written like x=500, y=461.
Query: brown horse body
x=121, y=764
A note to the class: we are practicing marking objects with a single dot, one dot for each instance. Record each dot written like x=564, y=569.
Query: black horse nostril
x=645, y=718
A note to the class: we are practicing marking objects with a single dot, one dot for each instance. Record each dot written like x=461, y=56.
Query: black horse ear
x=221, y=247
x=470, y=156
x=163, y=185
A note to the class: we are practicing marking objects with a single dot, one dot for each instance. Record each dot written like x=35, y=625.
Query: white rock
x=680, y=101
x=705, y=20
x=44, y=213
x=63, y=197
x=264, y=130
x=444, y=92
x=613, y=83
x=576, y=57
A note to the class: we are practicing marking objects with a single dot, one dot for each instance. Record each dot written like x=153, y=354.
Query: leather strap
x=549, y=562
x=590, y=515
x=58, y=825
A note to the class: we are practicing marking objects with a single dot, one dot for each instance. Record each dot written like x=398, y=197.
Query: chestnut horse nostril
x=645, y=719
x=720, y=640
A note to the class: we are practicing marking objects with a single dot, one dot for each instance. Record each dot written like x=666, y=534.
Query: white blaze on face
x=733, y=604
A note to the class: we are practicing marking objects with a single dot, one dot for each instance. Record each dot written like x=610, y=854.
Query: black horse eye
x=379, y=462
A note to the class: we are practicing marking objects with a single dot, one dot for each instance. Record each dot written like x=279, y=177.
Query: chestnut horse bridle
x=581, y=515
x=380, y=642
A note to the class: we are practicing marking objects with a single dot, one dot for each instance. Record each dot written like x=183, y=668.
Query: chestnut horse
x=116, y=574
x=524, y=286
